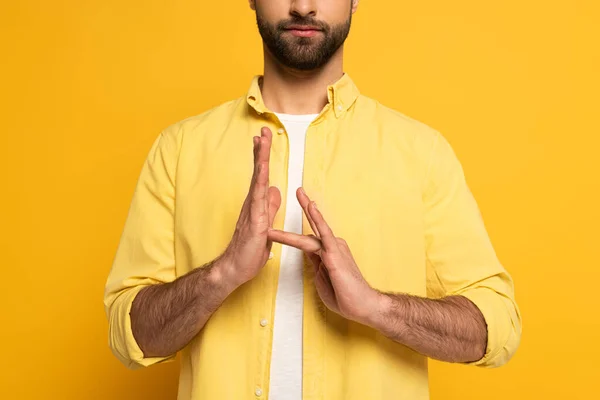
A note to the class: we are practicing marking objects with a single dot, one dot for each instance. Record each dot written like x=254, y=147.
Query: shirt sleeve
x=460, y=256
x=145, y=254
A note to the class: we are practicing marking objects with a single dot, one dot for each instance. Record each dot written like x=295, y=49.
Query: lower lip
x=303, y=33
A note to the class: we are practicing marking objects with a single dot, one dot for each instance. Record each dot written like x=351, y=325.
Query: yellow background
x=86, y=86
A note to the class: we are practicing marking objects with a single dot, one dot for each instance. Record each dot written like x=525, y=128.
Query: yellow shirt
x=391, y=186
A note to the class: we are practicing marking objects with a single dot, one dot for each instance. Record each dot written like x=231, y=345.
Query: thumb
x=315, y=260
x=274, y=201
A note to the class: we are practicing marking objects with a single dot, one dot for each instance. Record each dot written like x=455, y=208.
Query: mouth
x=303, y=30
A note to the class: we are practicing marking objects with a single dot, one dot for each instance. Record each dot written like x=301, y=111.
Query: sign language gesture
x=338, y=280
x=249, y=248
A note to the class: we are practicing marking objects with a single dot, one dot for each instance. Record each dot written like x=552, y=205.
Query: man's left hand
x=338, y=279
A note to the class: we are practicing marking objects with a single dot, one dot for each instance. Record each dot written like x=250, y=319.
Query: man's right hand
x=249, y=248
x=166, y=317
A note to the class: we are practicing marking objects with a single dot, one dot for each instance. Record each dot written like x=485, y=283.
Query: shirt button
x=264, y=322
x=339, y=107
x=281, y=131
x=271, y=255
x=258, y=392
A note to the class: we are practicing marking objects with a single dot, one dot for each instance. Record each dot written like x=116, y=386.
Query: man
x=358, y=252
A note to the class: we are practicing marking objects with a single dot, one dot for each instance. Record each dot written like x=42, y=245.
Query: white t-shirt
x=286, y=359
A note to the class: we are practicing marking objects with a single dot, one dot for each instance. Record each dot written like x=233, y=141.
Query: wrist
x=222, y=276
x=381, y=306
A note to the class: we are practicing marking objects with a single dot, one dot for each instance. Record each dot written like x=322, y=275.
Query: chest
x=365, y=183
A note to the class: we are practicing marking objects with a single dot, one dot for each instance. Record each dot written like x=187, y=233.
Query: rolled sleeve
x=145, y=255
x=461, y=259
x=500, y=314
x=121, y=340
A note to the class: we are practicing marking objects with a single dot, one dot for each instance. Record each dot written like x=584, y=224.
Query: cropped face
x=303, y=34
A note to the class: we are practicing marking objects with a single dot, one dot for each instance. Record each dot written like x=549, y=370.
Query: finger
x=327, y=238
x=261, y=182
x=314, y=259
x=262, y=152
x=325, y=290
x=255, y=149
x=309, y=244
x=266, y=138
x=258, y=190
x=274, y=198
x=247, y=200
x=264, y=156
x=255, y=143
x=325, y=274
x=304, y=200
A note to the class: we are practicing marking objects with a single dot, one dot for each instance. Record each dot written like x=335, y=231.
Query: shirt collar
x=341, y=95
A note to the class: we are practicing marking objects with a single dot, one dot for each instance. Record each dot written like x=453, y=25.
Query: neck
x=289, y=91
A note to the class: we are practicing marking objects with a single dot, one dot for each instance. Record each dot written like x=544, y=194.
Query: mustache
x=283, y=25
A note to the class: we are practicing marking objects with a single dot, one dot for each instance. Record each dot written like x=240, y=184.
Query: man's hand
x=250, y=246
x=338, y=280
x=166, y=317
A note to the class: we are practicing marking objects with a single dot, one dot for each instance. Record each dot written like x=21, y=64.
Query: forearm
x=165, y=317
x=449, y=329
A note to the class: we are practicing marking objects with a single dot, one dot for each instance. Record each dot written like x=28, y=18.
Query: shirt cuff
x=500, y=327
x=122, y=342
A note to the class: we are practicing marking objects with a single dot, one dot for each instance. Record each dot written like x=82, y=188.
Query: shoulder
x=210, y=118
x=422, y=144
x=396, y=119
x=421, y=137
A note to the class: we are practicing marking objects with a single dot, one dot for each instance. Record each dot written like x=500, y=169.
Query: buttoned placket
x=312, y=181
x=279, y=157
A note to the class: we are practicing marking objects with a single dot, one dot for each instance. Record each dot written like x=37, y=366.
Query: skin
x=287, y=88
x=165, y=317
x=449, y=329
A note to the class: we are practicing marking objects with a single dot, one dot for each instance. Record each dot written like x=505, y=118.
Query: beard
x=303, y=53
